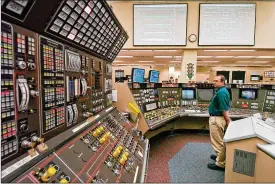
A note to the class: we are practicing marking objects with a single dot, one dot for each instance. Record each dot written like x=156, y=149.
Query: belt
x=215, y=115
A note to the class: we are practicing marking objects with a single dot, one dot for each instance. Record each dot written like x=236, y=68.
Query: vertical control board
x=52, y=87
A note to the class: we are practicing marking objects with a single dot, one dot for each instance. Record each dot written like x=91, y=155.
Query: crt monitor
x=248, y=94
x=205, y=95
x=188, y=94
x=138, y=75
x=153, y=76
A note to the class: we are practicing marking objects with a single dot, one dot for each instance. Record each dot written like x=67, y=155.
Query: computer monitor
x=188, y=94
x=138, y=75
x=205, y=95
x=249, y=94
x=153, y=76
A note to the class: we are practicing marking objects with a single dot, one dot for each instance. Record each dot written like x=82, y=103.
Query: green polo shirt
x=220, y=102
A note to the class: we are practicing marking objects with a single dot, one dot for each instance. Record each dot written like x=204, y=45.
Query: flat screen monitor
x=138, y=75
x=205, y=95
x=188, y=94
x=160, y=24
x=153, y=76
x=248, y=94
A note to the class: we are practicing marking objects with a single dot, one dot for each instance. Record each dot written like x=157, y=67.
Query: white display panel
x=163, y=24
x=227, y=24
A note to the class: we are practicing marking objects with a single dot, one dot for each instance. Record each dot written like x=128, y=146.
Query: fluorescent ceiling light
x=245, y=56
x=124, y=50
x=266, y=57
x=161, y=64
x=242, y=50
x=210, y=61
x=224, y=56
x=243, y=61
x=124, y=56
x=118, y=61
x=166, y=50
x=175, y=61
x=204, y=56
x=141, y=50
x=163, y=56
x=260, y=65
x=261, y=61
x=215, y=50
x=145, y=61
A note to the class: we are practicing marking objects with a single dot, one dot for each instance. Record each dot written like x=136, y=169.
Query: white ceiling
x=260, y=58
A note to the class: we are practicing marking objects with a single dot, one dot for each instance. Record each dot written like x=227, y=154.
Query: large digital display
x=153, y=76
x=138, y=75
x=249, y=94
x=160, y=24
x=188, y=94
x=227, y=24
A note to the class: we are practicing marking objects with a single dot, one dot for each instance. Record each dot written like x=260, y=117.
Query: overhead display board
x=227, y=24
x=163, y=24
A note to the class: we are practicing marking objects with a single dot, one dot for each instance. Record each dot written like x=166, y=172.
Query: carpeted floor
x=189, y=165
x=163, y=149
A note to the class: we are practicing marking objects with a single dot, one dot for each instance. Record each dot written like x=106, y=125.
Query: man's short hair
x=222, y=78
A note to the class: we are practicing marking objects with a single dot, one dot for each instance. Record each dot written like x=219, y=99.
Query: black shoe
x=213, y=157
x=215, y=167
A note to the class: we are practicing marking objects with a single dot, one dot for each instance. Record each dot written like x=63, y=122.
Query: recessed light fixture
x=165, y=50
x=266, y=57
x=163, y=56
x=204, y=56
x=175, y=61
x=224, y=56
x=243, y=61
x=245, y=56
x=242, y=50
x=210, y=61
x=261, y=61
x=145, y=61
x=215, y=50
x=124, y=56
x=141, y=50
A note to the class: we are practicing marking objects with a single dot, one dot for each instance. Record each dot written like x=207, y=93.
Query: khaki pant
x=217, y=126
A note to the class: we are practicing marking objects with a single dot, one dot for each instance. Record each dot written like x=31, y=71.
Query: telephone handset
x=23, y=94
x=70, y=115
x=75, y=113
x=76, y=87
x=84, y=87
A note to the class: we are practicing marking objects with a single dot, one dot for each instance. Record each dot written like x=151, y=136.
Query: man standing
x=218, y=121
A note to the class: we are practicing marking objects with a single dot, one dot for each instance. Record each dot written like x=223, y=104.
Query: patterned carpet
x=189, y=165
x=163, y=149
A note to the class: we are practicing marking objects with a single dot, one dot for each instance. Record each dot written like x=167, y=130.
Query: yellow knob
x=126, y=153
x=118, y=150
x=48, y=174
x=124, y=157
x=122, y=161
x=101, y=128
x=108, y=134
x=120, y=147
x=63, y=181
x=51, y=171
x=96, y=132
x=102, y=140
x=116, y=153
